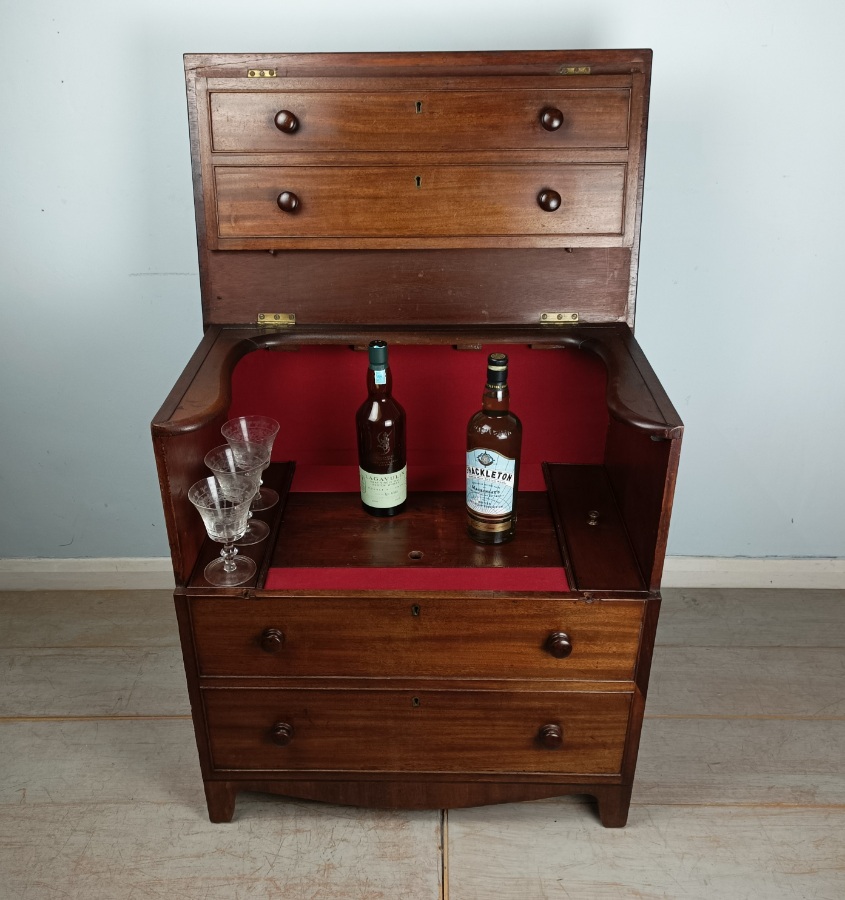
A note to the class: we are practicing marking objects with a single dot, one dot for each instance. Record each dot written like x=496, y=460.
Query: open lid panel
x=418, y=189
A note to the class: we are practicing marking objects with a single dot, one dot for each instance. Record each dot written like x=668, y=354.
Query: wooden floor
x=740, y=790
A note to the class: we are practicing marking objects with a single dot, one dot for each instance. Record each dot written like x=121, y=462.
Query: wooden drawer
x=425, y=201
x=420, y=731
x=423, y=120
x=460, y=638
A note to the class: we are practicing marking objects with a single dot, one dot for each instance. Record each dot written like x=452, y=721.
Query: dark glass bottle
x=380, y=423
x=494, y=444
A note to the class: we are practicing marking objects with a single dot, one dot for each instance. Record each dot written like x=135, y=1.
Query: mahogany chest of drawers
x=451, y=204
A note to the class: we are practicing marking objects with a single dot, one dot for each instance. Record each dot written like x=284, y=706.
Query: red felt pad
x=314, y=392
x=416, y=579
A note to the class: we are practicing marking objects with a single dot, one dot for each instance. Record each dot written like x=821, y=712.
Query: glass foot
x=266, y=498
x=256, y=532
x=243, y=568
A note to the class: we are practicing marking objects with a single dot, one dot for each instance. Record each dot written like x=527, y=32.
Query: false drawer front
x=255, y=203
x=464, y=638
x=274, y=122
x=421, y=731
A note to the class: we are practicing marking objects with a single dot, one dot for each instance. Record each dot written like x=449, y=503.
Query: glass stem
x=229, y=552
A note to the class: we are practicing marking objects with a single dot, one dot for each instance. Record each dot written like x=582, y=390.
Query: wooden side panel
x=643, y=465
x=180, y=463
x=642, y=472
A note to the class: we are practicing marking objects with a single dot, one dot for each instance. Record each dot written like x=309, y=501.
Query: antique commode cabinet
x=451, y=204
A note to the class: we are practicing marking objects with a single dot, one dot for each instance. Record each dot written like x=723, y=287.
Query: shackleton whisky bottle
x=494, y=443
x=380, y=424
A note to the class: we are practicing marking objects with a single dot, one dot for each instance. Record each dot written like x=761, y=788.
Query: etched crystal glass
x=237, y=467
x=255, y=430
x=225, y=521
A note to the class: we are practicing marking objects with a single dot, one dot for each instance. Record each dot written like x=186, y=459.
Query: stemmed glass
x=238, y=468
x=255, y=430
x=225, y=521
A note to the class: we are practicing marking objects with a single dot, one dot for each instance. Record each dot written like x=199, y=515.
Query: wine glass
x=225, y=521
x=255, y=430
x=238, y=467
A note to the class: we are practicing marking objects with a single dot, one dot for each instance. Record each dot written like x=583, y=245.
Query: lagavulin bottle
x=380, y=423
x=494, y=442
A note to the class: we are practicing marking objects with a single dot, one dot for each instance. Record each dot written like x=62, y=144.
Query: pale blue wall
x=741, y=305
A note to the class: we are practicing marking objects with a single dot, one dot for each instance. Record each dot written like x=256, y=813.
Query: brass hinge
x=559, y=318
x=573, y=70
x=276, y=320
x=261, y=73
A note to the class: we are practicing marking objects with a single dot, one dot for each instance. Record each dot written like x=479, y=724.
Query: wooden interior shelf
x=571, y=538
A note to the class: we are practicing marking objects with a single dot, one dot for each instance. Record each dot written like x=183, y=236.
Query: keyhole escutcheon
x=418, y=106
x=418, y=180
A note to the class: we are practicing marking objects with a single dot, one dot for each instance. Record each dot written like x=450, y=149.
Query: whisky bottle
x=380, y=423
x=494, y=443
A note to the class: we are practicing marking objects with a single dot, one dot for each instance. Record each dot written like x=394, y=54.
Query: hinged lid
x=418, y=189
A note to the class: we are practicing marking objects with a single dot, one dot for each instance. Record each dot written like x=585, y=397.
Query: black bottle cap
x=497, y=368
x=378, y=354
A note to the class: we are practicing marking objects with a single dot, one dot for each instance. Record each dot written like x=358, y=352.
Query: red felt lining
x=417, y=579
x=313, y=392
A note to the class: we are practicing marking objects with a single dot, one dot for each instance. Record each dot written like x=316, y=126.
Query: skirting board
x=132, y=573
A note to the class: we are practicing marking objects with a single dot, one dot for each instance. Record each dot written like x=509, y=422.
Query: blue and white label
x=490, y=482
x=380, y=375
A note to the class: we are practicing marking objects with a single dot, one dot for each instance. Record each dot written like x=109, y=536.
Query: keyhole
x=419, y=106
x=418, y=180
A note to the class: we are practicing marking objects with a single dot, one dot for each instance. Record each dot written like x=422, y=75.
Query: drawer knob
x=288, y=202
x=548, y=200
x=551, y=119
x=286, y=121
x=551, y=737
x=272, y=640
x=558, y=644
x=281, y=734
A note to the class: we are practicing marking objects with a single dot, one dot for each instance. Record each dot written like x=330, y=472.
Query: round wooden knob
x=548, y=200
x=558, y=644
x=286, y=121
x=551, y=736
x=551, y=119
x=272, y=640
x=281, y=734
x=288, y=202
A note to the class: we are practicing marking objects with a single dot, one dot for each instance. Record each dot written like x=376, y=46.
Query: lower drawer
x=560, y=732
x=422, y=202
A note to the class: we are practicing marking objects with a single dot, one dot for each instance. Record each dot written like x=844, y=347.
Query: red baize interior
x=313, y=392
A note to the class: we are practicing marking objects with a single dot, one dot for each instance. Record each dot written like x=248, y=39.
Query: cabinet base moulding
x=612, y=800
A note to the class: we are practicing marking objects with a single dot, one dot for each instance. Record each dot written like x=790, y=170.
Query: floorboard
x=709, y=617
x=543, y=849
x=168, y=851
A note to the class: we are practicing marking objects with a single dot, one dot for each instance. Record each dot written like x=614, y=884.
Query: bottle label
x=490, y=482
x=380, y=376
x=384, y=491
